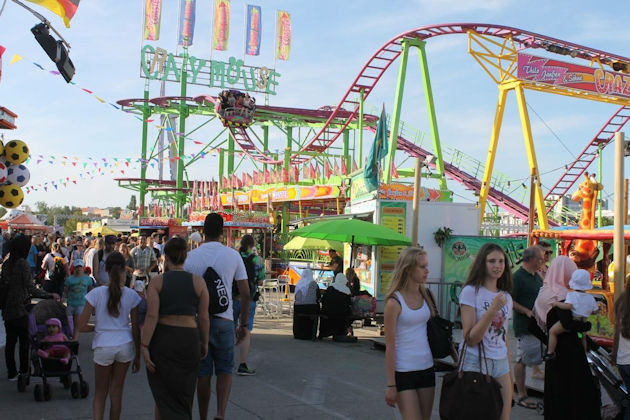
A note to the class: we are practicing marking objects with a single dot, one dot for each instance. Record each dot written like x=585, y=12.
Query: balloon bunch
x=13, y=175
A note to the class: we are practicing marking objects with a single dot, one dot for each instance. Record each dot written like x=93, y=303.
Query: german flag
x=64, y=8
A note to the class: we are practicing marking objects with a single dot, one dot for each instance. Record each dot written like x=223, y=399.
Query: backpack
x=58, y=276
x=250, y=268
x=219, y=300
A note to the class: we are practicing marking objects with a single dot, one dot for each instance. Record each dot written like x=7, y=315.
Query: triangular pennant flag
x=327, y=171
x=394, y=171
x=344, y=168
x=15, y=58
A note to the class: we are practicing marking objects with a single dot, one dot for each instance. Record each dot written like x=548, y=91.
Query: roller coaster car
x=235, y=108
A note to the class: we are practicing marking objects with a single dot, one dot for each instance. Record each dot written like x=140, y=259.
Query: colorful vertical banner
x=283, y=35
x=2, y=50
x=221, y=31
x=186, y=22
x=253, y=29
x=152, y=18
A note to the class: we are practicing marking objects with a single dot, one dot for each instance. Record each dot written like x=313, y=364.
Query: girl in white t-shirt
x=115, y=343
x=485, y=307
x=408, y=359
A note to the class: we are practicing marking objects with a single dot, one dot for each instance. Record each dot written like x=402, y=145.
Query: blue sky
x=331, y=42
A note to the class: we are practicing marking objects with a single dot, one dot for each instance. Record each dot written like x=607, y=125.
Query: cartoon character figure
x=584, y=250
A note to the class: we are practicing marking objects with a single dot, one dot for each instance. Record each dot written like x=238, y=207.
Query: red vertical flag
x=394, y=171
x=327, y=171
x=344, y=168
x=336, y=168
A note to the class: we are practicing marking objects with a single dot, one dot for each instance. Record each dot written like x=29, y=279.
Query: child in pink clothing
x=54, y=334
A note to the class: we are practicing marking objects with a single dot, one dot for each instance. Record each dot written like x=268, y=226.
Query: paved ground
x=296, y=380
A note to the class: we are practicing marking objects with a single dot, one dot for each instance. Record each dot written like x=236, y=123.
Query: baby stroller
x=52, y=368
x=608, y=377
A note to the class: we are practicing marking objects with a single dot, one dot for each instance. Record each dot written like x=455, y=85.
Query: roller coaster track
x=347, y=109
x=369, y=76
x=469, y=181
x=574, y=170
x=376, y=66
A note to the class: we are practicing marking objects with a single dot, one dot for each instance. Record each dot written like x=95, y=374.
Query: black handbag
x=470, y=395
x=439, y=333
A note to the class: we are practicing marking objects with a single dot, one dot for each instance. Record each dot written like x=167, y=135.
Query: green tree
x=70, y=226
x=133, y=206
x=42, y=207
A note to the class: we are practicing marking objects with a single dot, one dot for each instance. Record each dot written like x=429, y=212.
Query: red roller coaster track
x=376, y=66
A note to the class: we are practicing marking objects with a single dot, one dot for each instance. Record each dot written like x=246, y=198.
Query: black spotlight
x=55, y=50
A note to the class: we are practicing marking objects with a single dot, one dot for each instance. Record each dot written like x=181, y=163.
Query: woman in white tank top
x=408, y=359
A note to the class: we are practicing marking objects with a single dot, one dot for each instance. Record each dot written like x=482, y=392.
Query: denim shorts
x=236, y=309
x=496, y=367
x=76, y=309
x=220, y=357
x=123, y=353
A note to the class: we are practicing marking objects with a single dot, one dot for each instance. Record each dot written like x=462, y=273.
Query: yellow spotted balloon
x=11, y=196
x=16, y=152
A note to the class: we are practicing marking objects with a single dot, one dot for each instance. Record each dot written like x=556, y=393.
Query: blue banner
x=186, y=22
x=253, y=29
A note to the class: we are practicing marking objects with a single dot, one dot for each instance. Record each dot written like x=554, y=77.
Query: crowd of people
x=146, y=299
x=152, y=299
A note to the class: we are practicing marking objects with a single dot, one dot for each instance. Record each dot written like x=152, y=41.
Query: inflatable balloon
x=16, y=152
x=3, y=173
x=1, y=148
x=11, y=196
x=16, y=174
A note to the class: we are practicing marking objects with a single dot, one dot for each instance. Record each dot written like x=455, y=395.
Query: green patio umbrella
x=300, y=242
x=354, y=231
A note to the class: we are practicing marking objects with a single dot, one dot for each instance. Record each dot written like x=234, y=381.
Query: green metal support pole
x=146, y=113
x=599, y=179
x=287, y=153
x=395, y=120
x=221, y=167
x=360, y=158
x=265, y=143
x=230, y=159
x=428, y=94
x=183, y=114
x=346, y=148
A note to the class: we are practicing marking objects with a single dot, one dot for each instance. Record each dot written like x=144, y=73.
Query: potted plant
x=442, y=235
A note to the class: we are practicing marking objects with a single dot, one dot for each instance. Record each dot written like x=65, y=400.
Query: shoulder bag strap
x=482, y=349
x=460, y=364
x=432, y=299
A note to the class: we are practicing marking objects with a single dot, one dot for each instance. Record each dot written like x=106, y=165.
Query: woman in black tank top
x=173, y=341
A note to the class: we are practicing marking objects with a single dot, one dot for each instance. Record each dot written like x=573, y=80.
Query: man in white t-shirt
x=228, y=264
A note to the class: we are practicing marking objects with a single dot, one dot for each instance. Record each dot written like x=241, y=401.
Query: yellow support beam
x=531, y=155
x=492, y=150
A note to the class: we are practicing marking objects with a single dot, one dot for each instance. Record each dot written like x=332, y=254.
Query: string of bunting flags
x=16, y=58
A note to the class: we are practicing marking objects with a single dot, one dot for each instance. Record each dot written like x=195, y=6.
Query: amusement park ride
x=311, y=133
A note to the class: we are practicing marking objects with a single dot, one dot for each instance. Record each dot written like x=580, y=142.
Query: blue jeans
x=236, y=310
x=624, y=370
x=220, y=357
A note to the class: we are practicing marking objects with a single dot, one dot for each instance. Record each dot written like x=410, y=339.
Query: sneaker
x=13, y=378
x=243, y=370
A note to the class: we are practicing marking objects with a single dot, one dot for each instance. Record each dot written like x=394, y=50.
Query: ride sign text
x=159, y=64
